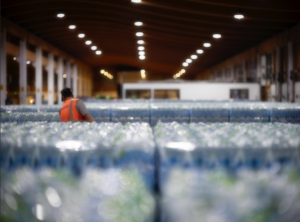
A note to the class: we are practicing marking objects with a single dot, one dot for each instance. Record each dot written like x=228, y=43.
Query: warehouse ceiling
x=173, y=30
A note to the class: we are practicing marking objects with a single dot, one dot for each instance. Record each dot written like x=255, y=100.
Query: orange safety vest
x=69, y=110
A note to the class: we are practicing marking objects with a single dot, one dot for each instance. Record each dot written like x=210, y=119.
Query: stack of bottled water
x=130, y=112
x=100, y=112
x=182, y=112
x=57, y=195
x=210, y=112
x=22, y=117
x=169, y=112
x=78, y=145
x=134, y=148
x=229, y=145
x=264, y=195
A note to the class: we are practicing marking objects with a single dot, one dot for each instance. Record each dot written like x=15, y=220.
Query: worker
x=73, y=110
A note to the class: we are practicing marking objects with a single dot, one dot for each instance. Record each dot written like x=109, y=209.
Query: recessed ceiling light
x=139, y=34
x=15, y=58
x=142, y=57
x=102, y=71
x=182, y=71
x=217, y=36
x=72, y=26
x=81, y=35
x=94, y=47
x=199, y=51
x=194, y=56
x=98, y=52
x=206, y=44
x=88, y=42
x=143, y=71
x=64, y=75
x=141, y=53
x=238, y=16
x=136, y=1
x=138, y=23
x=185, y=64
x=188, y=60
x=28, y=62
x=140, y=42
x=141, y=48
x=60, y=15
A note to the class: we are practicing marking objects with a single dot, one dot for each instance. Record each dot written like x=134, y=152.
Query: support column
x=244, y=71
x=75, y=86
x=258, y=68
x=289, y=69
x=60, y=70
x=224, y=75
x=68, y=72
x=38, y=76
x=278, y=70
x=3, y=68
x=23, y=72
x=50, y=69
x=232, y=73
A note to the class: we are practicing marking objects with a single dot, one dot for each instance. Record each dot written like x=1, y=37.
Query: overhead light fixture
x=136, y=1
x=88, y=42
x=138, y=23
x=72, y=26
x=142, y=57
x=188, y=60
x=239, y=16
x=141, y=53
x=139, y=34
x=217, y=36
x=64, y=76
x=182, y=71
x=140, y=42
x=206, y=44
x=81, y=35
x=28, y=62
x=143, y=74
x=199, y=51
x=185, y=64
x=141, y=48
x=194, y=56
x=102, y=71
x=98, y=52
x=15, y=58
x=60, y=15
x=94, y=47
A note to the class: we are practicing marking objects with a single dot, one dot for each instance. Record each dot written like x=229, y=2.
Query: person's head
x=66, y=93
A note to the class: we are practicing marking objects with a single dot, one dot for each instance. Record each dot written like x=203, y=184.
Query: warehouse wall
x=269, y=63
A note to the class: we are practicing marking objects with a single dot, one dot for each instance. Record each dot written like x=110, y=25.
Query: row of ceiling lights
x=236, y=16
x=199, y=51
x=193, y=57
x=177, y=75
x=107, y=74
x=141, y=49
x=81, y=35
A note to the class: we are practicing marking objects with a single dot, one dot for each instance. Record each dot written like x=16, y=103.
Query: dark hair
x=67, y=92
